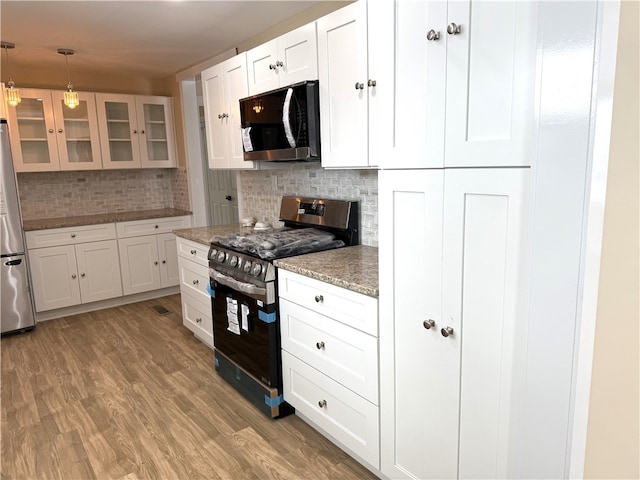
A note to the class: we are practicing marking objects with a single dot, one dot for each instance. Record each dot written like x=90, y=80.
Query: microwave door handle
x=286, y=118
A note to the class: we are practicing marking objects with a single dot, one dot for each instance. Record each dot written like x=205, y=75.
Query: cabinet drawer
x=197, y=317
x=345, y=354
x=346, y=417
x=194, y=251
x=194, y=279
x=151, y=226
x=70, y=235
x=351, y=308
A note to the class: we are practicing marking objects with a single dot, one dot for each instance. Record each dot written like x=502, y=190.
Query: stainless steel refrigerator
x=18, y=312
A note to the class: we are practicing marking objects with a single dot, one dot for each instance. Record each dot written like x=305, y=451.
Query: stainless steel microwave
x=283, y=124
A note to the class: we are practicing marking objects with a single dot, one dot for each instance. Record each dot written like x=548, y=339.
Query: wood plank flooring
x=128, y=393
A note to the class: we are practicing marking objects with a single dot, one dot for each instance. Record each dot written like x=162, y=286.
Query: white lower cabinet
x=69, y=275
x=330, y=361
x=453, y=299
x=193, y=265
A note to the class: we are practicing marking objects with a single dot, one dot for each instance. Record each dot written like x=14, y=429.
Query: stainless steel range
x=244, y=292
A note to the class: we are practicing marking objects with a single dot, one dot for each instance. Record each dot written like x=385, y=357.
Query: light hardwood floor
x=127, y=393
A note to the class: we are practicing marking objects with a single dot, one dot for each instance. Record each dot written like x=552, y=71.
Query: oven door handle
x=231, y=282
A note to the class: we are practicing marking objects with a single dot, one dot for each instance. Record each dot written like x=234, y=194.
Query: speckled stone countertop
x=61, y=222
x=205, y=234
x=353, y=268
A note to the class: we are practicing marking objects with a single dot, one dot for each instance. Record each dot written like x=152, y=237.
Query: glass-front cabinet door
x=77, y=132
x=32, y=132
x=119, y=133
x=155, y=122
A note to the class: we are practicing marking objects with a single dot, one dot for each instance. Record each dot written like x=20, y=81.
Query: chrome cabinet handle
x=193, y=252
x=73, y=275
x=320, y=345
x=428, y=324
x=223, y=115
x=446, y=331
x=319, y=299
x=432, y=35
x=359, y=86
x=198, y=320
x=272, y=66
x=371, y=83
x=453, y=29
x=196, y=282
x=279, y=64
x=322, y=404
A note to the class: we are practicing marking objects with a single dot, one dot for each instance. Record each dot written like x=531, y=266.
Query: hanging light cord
x=69, y=86
x=6, y=51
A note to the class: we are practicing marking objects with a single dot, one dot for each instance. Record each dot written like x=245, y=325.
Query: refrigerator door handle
x=13, y=263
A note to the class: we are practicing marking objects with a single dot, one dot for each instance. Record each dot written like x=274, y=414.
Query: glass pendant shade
x=11, y=93
x=71, y=98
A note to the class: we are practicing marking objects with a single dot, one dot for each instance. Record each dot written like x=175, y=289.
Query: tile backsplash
x=262, y=190
x=62, y=194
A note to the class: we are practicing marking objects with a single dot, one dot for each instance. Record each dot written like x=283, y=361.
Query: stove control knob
x=256, y=270
x=234, y=261
x=247, y=266
x=222, y=256
x=213, y=253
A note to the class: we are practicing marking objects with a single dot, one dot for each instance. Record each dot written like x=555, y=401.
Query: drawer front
x=351, y=308
x=341, y=414
x=344, y=354
x=197, y=317
x=70, y=235
x=151, y=226
x=194, y=251
x=194, y=279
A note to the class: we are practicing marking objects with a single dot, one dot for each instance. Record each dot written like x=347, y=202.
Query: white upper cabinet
x=46, y=135
x=136, y=131
x=464, y=84
x=283, y=61
x=223, y=86
x=356, y=83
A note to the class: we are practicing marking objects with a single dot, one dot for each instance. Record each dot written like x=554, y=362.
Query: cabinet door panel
x=156, y=132
x=342, y=63
x=214, y=106
x=197, y=317
x=491, y=75
x=411, y=209
x=119, y=137
x=482, y=297
x=262, y=78
x=236, y=87
x=77, y=132
x=168, y=255
x=298, y=52
x=54, y=275
x=139, y=264
x=99, y=270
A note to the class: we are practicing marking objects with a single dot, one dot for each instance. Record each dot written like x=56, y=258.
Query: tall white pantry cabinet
x=481, y=213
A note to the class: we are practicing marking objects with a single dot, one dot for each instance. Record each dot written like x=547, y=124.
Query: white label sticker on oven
x=232, y=316
x=245, y=317
x=246, y=139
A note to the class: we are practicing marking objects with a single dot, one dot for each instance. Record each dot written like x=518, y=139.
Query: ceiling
x=151, y=38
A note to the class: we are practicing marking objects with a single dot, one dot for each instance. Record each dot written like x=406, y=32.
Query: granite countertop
x=353, y=268
x=61, y=222
x=205, y=234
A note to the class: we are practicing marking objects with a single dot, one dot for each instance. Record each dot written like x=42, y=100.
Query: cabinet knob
x=446, y=331
x=319, y=299
x=51, y=130
x=228, y=198
x=371, y=83
x=135, y=131
x=164, y=262
x=73, y=275
x=428, y=324
x=453, y=29
x=320, y=345
x=60, y=130
x=142, y=132
x=82, y=275
x=432, y=35
x=272, y=66
x=279, y=64
x=193, y=252
x=322, y=404
x=198, y=320
x=155, y=263
x=196, y=282
x=359, y=86
x=155, y=226
x=73, y=235
x=223, y=115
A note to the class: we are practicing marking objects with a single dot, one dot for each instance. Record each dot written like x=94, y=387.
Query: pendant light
x=70, y=97
x=12, y=94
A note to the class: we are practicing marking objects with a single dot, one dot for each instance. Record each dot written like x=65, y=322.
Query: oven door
x=247, y=332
